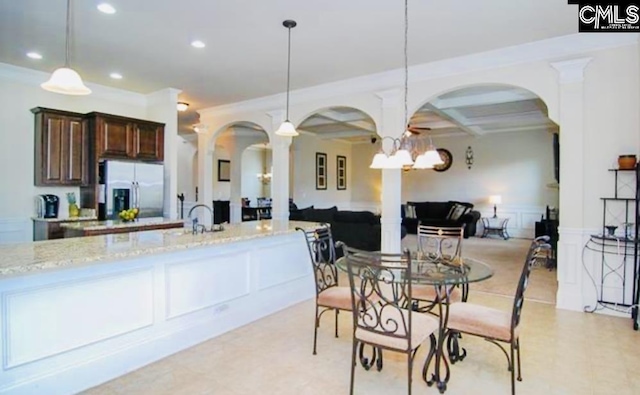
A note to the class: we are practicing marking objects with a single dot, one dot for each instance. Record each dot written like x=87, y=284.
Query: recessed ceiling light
x=106, y=8
x=34, y=55
x=197, y=44
x=116, y=76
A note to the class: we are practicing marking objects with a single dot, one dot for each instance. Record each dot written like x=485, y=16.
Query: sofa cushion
x=356, y=216
x=320, y=214
x=457, y=211
x=298, y=215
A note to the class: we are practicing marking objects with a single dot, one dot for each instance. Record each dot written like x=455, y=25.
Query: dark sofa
x=358, y=229
x=445, y=214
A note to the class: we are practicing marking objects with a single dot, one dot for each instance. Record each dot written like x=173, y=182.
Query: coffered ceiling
x=474, y=111
x=148, y=42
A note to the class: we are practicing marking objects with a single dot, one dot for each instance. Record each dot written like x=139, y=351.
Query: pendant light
x=287, y=129
x=65, y=80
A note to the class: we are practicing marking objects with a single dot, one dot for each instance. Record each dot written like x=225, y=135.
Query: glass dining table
x=443, y=275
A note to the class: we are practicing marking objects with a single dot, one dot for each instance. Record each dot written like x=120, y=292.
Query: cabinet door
x=52, y=164
x=148, y=141
x=75, y=152
x=114, y=138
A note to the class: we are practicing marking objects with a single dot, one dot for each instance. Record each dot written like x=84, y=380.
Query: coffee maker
x=47, y=206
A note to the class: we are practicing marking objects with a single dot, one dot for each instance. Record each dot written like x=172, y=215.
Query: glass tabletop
x=442, y=272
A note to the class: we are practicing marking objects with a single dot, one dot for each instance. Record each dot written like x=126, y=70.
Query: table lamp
x=495, y=200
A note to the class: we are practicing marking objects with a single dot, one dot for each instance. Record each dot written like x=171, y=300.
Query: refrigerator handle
x=137, y=204
x=133, y=194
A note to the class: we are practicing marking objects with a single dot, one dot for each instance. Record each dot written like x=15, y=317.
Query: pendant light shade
x=65, y=80
x=433, y=157
x=379, y=161
x=287, y=129
x=422, y=162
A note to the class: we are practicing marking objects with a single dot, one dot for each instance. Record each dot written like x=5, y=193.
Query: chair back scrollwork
x=323, y=256
x=440, y=243
x=381, y=287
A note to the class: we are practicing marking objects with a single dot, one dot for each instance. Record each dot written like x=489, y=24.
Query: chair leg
x=315, y=331
x=337, y=312
x=409, y=370
x=518, y=356
x=353, y=364
x=512, y=368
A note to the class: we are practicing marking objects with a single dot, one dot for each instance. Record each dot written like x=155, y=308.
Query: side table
x=495, y=225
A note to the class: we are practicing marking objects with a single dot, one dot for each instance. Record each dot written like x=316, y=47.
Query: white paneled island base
x=83, y=323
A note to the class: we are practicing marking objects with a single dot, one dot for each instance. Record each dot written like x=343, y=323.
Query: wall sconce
x=469, y=157
x=200, y=128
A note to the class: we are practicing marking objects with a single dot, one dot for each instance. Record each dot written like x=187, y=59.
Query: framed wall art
x=321, y=170
x=341, y=172
x=224, y=170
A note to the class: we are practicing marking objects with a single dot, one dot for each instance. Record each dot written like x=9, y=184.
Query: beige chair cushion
x=428, y=293
x=336, y=297
x=481, y=321
x=422, y=326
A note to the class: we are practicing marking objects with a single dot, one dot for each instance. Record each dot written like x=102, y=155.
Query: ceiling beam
x=488, y=98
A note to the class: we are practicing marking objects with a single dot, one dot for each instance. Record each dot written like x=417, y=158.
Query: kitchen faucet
x=195, y=226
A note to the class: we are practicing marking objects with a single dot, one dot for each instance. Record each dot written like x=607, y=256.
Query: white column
x=391, y=126
x=161, y=107
x=235, y=193
x=205, y=173
x=280, y=160
x=571, y=233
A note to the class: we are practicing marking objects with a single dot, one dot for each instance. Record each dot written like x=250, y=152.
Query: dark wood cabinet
x=127, y=138
x=148, y=141
x=61, y=148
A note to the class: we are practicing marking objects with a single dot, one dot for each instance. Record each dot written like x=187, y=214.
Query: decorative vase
x=74, y=211
x=627, y=162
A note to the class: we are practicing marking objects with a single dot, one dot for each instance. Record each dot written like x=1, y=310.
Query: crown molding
x=552, y=49
x=35, y=78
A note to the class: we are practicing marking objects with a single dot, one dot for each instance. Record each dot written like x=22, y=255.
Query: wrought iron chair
x=329, y=296
x=439, y=244
x=492, y=324
x=381, y=285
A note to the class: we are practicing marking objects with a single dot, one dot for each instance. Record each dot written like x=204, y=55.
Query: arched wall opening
x=329, y=160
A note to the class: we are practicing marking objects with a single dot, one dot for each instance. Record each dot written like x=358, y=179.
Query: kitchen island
x=78, y=312
x=95, y=228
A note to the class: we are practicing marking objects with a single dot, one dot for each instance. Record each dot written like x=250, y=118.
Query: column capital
x=391, y=97
x=571, y=71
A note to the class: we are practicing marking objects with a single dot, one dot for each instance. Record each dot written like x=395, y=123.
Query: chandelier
x=410, y=150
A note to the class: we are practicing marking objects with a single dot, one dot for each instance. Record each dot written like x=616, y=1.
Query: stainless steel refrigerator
x=131, y=184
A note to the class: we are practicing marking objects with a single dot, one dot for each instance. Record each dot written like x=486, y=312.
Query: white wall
x=366, y=185
x=304, y=167
x=221, y=189
x=18, y=94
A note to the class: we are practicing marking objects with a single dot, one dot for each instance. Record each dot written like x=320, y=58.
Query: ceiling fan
x=417, y=129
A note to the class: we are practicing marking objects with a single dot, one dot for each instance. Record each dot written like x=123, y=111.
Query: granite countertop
x=33, y=257
x=74, y=219
x=115, y=224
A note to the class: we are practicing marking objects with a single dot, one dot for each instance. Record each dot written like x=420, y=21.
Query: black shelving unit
x=619, y=250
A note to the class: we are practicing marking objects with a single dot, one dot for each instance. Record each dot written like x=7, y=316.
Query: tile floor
x=563, y=353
